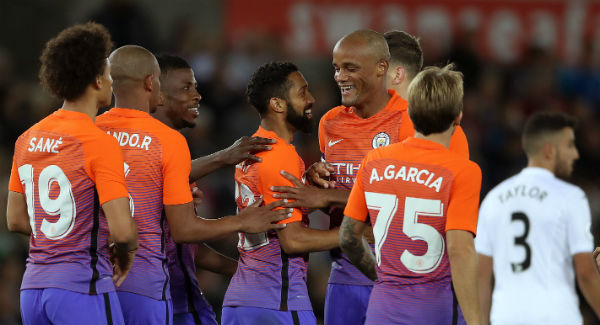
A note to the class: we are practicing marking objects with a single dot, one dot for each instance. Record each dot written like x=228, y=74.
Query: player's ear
x=148, y=83
x=382, y=67
x=458, y=119
x=548, y=150
x=277, y=104
x=398, y=75
x=98, y=83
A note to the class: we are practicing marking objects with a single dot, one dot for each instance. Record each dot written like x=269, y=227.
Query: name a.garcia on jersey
x=131, y=140
x=408, y=174
x=44, y=144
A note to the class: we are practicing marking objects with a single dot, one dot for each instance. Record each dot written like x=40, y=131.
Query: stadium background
x=518, y=57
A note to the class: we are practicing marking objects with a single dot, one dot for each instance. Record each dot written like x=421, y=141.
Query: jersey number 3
x=387, y=204
x=521, y=240
x=63, y=204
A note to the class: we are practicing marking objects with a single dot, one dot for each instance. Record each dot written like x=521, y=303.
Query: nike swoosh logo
x=332, y=143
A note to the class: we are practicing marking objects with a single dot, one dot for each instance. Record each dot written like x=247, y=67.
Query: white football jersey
x=531, y=225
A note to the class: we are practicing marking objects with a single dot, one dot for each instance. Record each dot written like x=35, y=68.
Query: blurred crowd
x=498, y=99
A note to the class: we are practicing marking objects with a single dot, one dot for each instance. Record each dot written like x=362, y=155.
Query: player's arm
x=297, y=239
x=186, y=227
x=588, y=279
x=486, y=285
x=17, y=218
x=124, y=234
x=357, y=249
x=461, y=225
x=104, y=163
x=308, y=196
x=211, y=260
x=463, y=265
x=239, y=151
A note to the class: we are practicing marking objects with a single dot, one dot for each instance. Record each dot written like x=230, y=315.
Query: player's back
x=408, y=190
x=267, y=277
x=412, y=193
x=56, y=165
x=531, y=225
x=147, y=146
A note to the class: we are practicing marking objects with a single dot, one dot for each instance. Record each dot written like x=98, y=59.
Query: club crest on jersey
x=381, y=139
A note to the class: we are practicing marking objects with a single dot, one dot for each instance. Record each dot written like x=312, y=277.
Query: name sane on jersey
x=131, y=140
x=407, y=174
x=42, y=144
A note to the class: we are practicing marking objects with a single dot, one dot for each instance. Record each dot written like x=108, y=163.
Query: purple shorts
x=201, y=316
x=256, y=315
x=346, y=304
x=413, y=304
x=59, y=306
x=142, y=310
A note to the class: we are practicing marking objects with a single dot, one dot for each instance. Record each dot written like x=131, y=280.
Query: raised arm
x=240, y=150
x=186, y=227
x=297, y=239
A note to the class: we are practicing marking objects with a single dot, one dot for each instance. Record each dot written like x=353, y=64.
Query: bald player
x=157, y=169
x=371, y=116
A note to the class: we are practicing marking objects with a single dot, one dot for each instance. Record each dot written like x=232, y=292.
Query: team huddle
x=109, y=201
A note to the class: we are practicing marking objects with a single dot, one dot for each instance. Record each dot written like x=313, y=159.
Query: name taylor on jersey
x=521, y=190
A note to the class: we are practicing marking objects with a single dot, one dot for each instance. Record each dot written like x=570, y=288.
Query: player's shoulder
x=333, y=113
x=459, y=163
x=566, y=189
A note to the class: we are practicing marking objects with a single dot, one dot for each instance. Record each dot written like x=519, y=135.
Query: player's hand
x=318, y=174
x=197, y=195
x=305, y=196
x=257, y=219
x=596, y=254
x=244, y=148
x=120, y=272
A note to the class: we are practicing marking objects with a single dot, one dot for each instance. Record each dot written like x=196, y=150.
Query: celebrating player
x=421, y=200
x=269, y=286
x=370, y=116
x=534, y=234
x=179, y=110
x=64, y=169
x=157, y=173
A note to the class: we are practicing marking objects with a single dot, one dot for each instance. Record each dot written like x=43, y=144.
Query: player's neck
x=441, y=138
x=87, y=105
x=402, y=89
x=374, y=104
x=541, y=163
x=132, y=99
x=280, y=127
x=161, y=115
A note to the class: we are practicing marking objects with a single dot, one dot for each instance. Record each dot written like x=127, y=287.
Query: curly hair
x=270, y=80
x=74, y=58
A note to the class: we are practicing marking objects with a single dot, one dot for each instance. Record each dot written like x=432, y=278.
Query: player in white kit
x=533, y=236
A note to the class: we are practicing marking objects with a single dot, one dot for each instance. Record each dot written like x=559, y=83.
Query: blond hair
x=435, y=98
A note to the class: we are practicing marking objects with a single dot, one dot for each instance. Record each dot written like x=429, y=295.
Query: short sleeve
x=356, y=208
x=14, y=183
x=322, y=139
x=464, y=199
x=483, y=241
x=459, y=143
x=579, y=222
x=177, y=164
x=106, y=168
x=269, y=174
